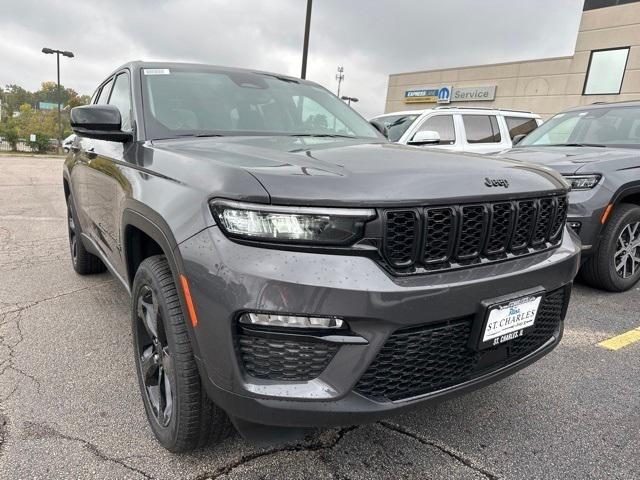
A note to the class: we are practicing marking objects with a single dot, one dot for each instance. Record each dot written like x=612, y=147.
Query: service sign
x=473, y=94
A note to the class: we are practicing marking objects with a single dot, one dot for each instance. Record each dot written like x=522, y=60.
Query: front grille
x=277, y=359
x=453, y=236
x=421, y=360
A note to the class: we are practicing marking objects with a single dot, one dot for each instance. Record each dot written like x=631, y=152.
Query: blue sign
x=444, y=95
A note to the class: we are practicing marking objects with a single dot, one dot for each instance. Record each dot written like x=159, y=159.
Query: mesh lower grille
x=276, y=359
x=422, y=360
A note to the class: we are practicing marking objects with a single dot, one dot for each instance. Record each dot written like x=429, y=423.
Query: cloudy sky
x=370, y=38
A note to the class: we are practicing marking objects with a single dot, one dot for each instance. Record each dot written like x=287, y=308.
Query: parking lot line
x=622, y=340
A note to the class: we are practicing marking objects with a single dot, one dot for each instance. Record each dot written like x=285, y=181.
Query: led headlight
x=582, y=182
x=295, y=321
x=272, y=223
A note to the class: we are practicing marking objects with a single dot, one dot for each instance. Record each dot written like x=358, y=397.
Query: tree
x=13, y=97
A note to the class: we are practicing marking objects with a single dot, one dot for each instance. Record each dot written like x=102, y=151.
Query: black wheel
x=180, y=414
x=615, y=266
x=83, y=262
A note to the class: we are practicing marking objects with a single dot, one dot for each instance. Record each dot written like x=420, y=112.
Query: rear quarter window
x=520, y=126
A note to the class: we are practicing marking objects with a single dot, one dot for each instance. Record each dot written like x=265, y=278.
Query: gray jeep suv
x=288, y=267
x=597, y=149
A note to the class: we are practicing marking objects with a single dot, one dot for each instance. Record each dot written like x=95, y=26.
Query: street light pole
x=49, y=51
x=305, y=46
x=349, y=99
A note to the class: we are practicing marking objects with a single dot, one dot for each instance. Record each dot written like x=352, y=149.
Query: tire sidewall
x=612, y=232
x=144, y=276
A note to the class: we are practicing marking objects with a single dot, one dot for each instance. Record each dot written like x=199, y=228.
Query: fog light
x=272, y=320
x=575, y=226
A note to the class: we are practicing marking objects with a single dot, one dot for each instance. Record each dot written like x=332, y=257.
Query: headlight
x=582, y=182
x=272, y=223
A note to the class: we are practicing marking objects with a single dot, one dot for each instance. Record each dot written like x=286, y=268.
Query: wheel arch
x=628, y=193
x=145, y=233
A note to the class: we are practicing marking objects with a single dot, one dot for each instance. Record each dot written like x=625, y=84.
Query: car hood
x=352, y=172
x=568, y=160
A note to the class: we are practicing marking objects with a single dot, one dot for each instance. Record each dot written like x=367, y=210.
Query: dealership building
x=605, y=67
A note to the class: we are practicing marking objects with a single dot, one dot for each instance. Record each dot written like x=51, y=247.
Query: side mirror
x=102, y=122
x=516, y=138
x=380, y=127
x=425, y=137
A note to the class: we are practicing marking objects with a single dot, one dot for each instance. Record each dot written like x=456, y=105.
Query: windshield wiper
x=200, y=135
x=576, y=145
x=321, y=135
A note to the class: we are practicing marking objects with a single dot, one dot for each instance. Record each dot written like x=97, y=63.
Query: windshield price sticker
x=508, y=321
x=156, y=71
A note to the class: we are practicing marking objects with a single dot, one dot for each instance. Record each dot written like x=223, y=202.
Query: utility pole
x=305, y=47
x=49, y=51
x=340, y=77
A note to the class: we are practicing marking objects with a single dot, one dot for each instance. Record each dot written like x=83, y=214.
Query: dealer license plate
x=509, y=320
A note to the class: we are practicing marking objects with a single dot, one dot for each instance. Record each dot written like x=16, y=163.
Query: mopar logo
x=444, y=95
x=496, y=182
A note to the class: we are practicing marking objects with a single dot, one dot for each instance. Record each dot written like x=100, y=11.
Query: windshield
x=396, y=124
x=204, y=101
x=609, y=127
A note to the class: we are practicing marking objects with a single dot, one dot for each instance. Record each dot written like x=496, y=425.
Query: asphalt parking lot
x=70, y=407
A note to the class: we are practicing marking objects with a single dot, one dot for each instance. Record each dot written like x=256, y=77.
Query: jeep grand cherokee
x=596, y=147
x=288, y=267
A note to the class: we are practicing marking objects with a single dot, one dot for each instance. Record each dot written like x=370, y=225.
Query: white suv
x=468, y=129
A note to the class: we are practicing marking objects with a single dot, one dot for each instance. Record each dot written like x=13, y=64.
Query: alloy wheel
x=155, y=361
x=627, y=255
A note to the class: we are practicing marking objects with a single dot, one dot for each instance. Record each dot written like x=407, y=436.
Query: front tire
x=180, y=414
x=615, y=266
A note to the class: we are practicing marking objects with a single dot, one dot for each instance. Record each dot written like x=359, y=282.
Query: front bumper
x=227, y=278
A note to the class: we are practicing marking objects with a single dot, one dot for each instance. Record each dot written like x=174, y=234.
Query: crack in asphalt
x=54, y=297
x=39, y=430
x=443, y=448
x=11, y=361
x=312, y=446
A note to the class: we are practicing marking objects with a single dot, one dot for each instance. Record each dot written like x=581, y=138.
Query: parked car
x=468, y=129
x=289, y=267
x=596, y=148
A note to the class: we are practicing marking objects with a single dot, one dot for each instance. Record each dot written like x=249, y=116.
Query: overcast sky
x=370, y=38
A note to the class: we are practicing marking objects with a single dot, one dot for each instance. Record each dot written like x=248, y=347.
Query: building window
x=606, y=71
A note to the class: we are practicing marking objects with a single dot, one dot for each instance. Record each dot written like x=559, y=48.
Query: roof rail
x=483, y=108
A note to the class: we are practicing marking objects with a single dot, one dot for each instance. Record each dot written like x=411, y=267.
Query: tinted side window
x=443, y=124
x=481, y=128
x=121, y=98
x=104, y=93
x=520, y=126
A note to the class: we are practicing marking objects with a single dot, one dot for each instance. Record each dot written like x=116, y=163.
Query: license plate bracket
x=503, y=319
